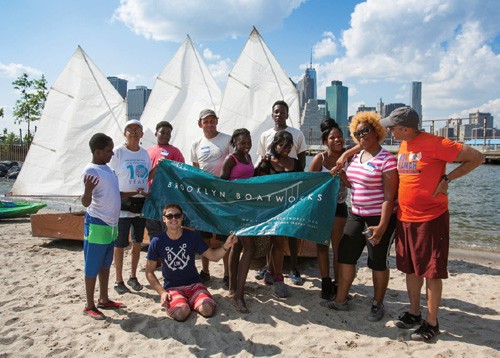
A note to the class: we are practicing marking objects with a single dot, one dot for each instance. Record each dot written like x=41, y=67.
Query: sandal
x=94, y=313
x=134, y=283
x=407, y=320
x=121, y=289
x=110, y=305
x=425, y=332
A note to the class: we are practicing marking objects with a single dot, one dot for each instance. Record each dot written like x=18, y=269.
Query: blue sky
x=375, y=47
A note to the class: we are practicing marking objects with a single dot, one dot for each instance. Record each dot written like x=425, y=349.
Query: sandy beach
x=42, y=299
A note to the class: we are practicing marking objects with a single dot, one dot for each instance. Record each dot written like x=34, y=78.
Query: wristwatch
x=445, y=178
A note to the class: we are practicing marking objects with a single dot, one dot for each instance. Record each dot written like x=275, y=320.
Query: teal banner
x=300, y=205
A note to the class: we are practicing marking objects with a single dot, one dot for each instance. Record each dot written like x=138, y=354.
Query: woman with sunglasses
x=373, y=180
x=182, y=290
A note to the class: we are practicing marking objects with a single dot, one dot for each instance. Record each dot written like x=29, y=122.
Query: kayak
x=9, y=209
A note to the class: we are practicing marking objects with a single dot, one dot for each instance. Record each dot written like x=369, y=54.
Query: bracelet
x=445, y=178
x=223, y=248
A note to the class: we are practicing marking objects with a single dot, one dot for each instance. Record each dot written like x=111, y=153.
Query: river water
x=474, y=207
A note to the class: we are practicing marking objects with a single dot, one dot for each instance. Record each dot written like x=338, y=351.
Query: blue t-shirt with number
x=177, y=257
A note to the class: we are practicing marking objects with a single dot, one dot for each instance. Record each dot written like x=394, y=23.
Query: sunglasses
x=362, y=132
x=171, y=216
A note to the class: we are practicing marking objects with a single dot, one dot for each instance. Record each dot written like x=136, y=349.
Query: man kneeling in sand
x=182, y=290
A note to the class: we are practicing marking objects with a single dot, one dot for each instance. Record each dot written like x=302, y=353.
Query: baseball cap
x=402, y=116
x=131, y=122
x=207, y=112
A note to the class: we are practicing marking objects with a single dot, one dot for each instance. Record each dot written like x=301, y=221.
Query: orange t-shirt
x=421, y=164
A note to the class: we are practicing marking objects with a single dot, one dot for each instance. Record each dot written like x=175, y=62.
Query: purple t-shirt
x=177, y=257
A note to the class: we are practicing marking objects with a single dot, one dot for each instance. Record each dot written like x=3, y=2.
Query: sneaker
x=260, y=274
x=94, y=313
x=295, y=277
x=376, y=312
x=134, y=283
x=280, y=289
x=205, y=277
x=406, y=320
x=111, y=305
x=225, y=280
x=326, y=288
x=121, y=289
x=425, y=332
x=268, y=278
x=336, y=306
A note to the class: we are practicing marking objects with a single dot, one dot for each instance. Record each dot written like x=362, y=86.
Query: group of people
x=403, y=197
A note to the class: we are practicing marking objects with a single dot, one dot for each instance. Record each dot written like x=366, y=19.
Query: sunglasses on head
x=171, y=216
x=362, y=132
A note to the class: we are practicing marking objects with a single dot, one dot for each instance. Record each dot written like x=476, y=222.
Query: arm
x=302, y=160
x=197, y=165
x=217, y=254
x=316, y=164
x=227, y=166
x=90, y=182
x=153, y=281
x=390, y=181
x=346, y=155
x=470, y=159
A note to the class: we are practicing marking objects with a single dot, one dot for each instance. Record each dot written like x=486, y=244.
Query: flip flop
x=110, y=305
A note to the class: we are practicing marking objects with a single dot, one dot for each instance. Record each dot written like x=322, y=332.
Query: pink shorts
x=192, y=296
x=422, y=247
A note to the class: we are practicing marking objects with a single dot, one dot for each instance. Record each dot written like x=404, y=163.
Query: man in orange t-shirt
x=422, y=231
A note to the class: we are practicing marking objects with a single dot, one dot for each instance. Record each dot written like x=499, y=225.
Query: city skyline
x=375, y=48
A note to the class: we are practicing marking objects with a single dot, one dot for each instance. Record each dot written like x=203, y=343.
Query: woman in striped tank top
x=373, y=180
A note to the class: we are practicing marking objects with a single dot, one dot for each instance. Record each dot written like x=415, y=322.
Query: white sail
x=181, y=91
x=80, y=103
x=254, y=84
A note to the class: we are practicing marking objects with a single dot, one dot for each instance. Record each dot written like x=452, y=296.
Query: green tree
x=1, y=112
x=33, y=95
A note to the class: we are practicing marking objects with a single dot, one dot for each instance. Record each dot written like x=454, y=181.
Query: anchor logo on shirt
x=176, y=261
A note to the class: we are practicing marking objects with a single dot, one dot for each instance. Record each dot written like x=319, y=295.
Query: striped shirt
x=367, y=188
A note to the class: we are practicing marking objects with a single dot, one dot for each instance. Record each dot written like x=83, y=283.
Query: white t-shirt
x=266, y=138
x=106, y=201
x=132, y=169
x=210, y=153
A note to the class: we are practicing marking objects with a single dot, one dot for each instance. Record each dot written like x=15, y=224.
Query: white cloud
x=14, y=70
x=445, y=44
x=220, y=70
x=491, y=106
x=326, y=47
x=210, y=56
x=171, y=20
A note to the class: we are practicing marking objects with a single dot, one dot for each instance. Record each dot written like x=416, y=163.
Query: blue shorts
x=138, y=225
x=98, y=244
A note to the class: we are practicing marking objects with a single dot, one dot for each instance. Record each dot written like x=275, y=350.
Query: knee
x=206, y=309
x=181, y=314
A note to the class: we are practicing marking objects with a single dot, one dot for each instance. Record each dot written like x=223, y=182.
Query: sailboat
x=80, y=103
x=255, y=82
x=183, y=88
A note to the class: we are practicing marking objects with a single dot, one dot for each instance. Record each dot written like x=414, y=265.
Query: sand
x=42, y=298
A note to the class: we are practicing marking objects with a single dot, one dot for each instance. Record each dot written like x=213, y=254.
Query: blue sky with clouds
x=375, y=47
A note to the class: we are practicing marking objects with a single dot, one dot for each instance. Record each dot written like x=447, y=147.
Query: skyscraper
x=137, y=99
x=336, y=99
x=416, y=99
x=307, y=86
x=120, y=85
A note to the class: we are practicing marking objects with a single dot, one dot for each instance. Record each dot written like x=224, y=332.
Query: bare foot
x=240, y=305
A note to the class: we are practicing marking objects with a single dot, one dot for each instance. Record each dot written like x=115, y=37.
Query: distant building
x=337, y=100
x=312, y=116
x=388, y=108
x=307, y=87
x=380, y=108
x=416, y=99
x=120, y=85
x=363, y=108
x=137, y=99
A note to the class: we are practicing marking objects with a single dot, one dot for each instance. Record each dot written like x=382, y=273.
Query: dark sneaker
x=280, y=289
x=406, y=320
x=295, y=277
x=376, y=312
x=336, y=306
x=425, y=332
x=260, y=274
x=326, y=288
x=205, y=277
x=134, y=283
x=121, y=289
x=268, y=278
x=225, y=280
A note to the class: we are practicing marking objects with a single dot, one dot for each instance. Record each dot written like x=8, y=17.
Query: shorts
x=98, y=244
x=353, y=242
x=192, y=296
x=341, y=211
x=155, y=228
x=422, y=247
x=138, y=225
